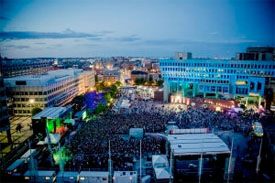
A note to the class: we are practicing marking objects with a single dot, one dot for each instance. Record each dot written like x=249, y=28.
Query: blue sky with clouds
x=73, y=28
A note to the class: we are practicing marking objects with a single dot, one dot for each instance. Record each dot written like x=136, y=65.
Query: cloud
x=16, y=46
x=40, y=43
x=130, y=38
x=17, y=35
x=164, y=42
x=4, y=18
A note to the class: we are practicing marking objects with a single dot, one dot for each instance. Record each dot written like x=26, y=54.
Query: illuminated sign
x=253, y=94
x=241, y=82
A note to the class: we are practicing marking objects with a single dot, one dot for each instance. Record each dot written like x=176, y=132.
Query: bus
x=257, y=129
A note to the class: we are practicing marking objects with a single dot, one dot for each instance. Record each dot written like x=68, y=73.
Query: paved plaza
x=17, y=136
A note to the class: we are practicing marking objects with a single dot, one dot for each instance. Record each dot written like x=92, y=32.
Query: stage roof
x=51, y=113
x=195, y=144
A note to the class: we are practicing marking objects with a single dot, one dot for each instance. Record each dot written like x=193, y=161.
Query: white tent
x=159, y=161
x=125, y=103
x=162, y=173
x=195, y=144
x=53, y=137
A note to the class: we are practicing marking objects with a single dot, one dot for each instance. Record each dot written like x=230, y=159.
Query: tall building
x=229, y=78
x=257, y=53
x=183, y=55
x=56, y=88
x=4, y=117
x=18, y=67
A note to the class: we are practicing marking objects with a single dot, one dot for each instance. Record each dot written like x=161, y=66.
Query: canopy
x=125, y=103
x=196, y=144
x=72, y=121
x=162, y=173
x=159, y=161
x=53, y=137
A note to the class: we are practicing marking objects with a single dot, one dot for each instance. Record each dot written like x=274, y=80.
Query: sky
x=156, y=28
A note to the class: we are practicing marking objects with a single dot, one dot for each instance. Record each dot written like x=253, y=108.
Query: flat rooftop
x=51, y=112
x=196, y=144
x=42, y=79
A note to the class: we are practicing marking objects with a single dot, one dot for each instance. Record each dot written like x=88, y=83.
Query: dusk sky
x=78, y=28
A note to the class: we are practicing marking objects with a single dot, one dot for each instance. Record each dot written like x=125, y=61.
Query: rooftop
x=196, y=144
x=51, y=113
x=43, y=79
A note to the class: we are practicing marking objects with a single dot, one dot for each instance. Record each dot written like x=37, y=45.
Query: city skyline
x=133, y=28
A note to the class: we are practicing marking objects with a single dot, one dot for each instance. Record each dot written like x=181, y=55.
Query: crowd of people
x=90, y=144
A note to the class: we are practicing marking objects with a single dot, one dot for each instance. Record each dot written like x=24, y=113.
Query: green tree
x=100, y=108
x=100, y=87
x=107, y=96
x=36, y=110
x=118, y=84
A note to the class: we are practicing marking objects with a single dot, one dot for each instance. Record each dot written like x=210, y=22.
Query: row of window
x=46, y=92
x=30, y=105
x=243, y=91
x=21, y=111
x=230, y=71
x=28, y=99
x=252, y=66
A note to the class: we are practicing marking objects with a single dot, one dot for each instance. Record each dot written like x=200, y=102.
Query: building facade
x=229, y=78
x=4, y=116
x=56, y=88
x=137, y=74
x=18, y=67
x=257, y=53
x=183, y=55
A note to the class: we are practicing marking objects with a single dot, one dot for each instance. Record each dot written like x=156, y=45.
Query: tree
x=107, y=96
x=100, y=87
x=118, y=84
x=160, y=82
x=100, y=108
x=36, y=110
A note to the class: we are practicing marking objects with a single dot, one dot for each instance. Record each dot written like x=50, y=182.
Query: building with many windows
x=18, y=67
x=228, y=78
x=56, y=88
x=4, y=117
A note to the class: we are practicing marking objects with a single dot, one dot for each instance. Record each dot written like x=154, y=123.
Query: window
x=259, y=86
x=20, y=82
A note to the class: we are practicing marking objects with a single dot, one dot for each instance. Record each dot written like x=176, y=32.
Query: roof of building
x=51, y=112
x=93, y=174
x=159, y=160
x=67, y=174
x=196, y=144
x=47, y=173
x=28, y=153
x=162, y=173
x=43, y=79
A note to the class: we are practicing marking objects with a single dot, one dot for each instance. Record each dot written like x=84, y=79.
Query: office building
x=18, y=67
x=56, y=88
x=4, y=117
x=183, y=55
x=228, y=78
x=136, y=74
x=257, y=53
